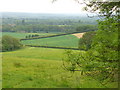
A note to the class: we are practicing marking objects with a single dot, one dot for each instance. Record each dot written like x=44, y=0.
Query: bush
x=10, y=43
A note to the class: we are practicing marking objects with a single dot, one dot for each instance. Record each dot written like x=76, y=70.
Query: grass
x=37, y=53
x=69, y=41
x=23, y=35
x=0, y=71
x=41, y=68
x=59, y=41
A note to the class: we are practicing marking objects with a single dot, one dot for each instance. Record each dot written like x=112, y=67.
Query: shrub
x=10, y=43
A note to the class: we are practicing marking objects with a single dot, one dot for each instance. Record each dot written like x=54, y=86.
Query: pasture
x=41, y=68
x=23, y=35
x=69, y=41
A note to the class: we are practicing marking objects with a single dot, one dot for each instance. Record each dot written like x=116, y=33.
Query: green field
x=41, y=68
x=0, y=71
x=23, y=35
x=69, y=41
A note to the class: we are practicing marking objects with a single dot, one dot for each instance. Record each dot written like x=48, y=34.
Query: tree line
x=48, y=28
x=61, y=24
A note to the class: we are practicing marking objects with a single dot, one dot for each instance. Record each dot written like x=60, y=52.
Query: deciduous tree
x=10, y=43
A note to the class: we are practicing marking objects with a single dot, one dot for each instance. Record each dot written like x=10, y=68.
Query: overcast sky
x=41, y=6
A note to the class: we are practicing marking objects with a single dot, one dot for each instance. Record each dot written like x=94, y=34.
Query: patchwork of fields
x=69, y=41
x=32, y=67
x=41, y=68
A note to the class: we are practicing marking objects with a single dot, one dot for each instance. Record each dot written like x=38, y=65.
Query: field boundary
x=46, y=36
x=54, y=47
x=50, y=36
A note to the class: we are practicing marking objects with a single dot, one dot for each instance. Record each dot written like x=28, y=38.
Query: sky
x=41, y=6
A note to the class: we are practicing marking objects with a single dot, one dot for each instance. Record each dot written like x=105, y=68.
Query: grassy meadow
x=59, y=41
x=69, y=41
x=0, y=71
x=41, y=68
x=23, y=35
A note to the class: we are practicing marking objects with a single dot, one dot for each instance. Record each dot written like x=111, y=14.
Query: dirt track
x=78, y=35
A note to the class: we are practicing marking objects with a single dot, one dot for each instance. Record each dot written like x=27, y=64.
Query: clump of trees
x=100, y=61
x=32, y=36
x=86, y=28
x=86, y=41
x=10, y=43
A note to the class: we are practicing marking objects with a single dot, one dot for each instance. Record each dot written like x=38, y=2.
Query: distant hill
x=44, y=15
x=43, y=22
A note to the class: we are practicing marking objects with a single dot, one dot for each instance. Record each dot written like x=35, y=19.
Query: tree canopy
x=10, y=43
x=101, y=60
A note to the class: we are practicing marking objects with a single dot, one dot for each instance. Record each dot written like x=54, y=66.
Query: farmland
x=69, y=41
x=41, y=68
x=59, y=41
x=50, y=50
x=23, y=35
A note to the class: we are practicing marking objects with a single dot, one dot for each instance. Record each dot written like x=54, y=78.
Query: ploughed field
x=32, y=67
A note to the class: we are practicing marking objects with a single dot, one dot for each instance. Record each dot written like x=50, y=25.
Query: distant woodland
x=47, y=23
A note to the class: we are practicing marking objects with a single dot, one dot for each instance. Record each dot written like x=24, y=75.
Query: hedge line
x=49, y=36
x=54, y=47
